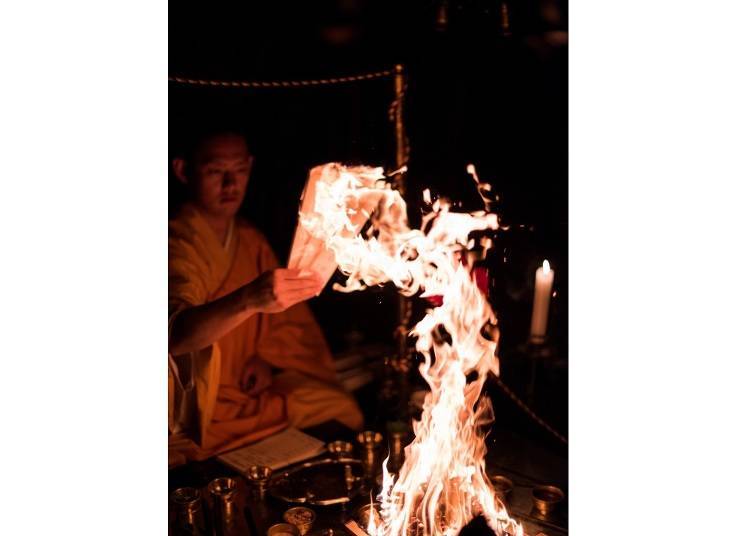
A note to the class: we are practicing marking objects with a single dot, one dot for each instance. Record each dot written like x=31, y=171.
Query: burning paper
x=442, y=484
x=322, y=192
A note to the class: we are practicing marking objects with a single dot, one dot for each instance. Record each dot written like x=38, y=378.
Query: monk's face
x=220, y=171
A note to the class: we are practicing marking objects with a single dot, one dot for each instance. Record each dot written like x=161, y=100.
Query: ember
x=442, y=485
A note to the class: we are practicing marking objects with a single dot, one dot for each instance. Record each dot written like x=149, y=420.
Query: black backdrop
x=475, y=94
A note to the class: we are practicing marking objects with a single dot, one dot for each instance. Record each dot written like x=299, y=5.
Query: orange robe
x=209, y=411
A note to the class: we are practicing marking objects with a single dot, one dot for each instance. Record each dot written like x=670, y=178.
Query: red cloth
x=481, y=277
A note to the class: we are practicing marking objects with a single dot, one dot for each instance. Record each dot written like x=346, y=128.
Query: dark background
x=478, y=91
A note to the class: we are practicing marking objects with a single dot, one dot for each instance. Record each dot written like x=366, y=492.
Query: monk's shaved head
x=216, y=166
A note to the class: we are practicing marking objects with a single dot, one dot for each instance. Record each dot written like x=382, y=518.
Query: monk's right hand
x=276, y=290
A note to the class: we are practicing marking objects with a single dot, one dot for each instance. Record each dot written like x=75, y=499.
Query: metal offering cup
x=363, y=515
x=340, y=449
x=502, y=486
x=397, y=435
x=301, y=517
x=546, y=498
x=396, y=443
x=369, y=439
x=223, y=490
x=189, y=507
x=187, y=498
x=369, y=442
x=282, y=529
x=258, y=476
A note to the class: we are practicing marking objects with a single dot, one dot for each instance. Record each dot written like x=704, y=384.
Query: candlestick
x=542, y=292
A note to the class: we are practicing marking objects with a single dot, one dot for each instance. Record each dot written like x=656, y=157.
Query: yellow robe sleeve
x=193, y=378
x=292, y=339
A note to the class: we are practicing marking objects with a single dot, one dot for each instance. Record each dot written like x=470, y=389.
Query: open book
x=277, y=451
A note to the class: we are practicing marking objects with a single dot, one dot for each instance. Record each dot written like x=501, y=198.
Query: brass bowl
x=282, y=529
x=301, y=517
x=340, y=448
x=546, y=498
x=502, y=486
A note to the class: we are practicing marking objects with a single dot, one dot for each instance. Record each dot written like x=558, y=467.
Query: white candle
x=542, y=293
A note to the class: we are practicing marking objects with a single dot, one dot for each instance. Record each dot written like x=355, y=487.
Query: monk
x=235, y=317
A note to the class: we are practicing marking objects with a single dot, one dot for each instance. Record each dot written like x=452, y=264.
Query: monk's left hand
x=256, y=377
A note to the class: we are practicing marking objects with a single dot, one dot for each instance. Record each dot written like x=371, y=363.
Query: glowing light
x=442, y=484
x=372, y=529
x=545, y=266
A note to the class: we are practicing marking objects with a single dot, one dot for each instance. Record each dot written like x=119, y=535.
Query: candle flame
x=545, y=266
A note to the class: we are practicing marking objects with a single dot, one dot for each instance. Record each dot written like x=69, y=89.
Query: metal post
x=402, y=155
x=399, y=87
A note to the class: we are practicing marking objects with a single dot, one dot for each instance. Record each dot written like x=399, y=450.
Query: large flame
x=442, y=484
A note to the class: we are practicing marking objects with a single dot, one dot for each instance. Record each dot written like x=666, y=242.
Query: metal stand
x=402, y=363
x=402, y=156
x=536, y=349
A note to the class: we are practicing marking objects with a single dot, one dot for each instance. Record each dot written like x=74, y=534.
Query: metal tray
x=319, y=482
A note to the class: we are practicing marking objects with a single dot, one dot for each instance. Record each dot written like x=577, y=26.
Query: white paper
x=279, y=450
x=310, y=253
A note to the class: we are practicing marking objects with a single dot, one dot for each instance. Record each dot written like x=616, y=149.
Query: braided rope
x=281, y=83
x=530, y=412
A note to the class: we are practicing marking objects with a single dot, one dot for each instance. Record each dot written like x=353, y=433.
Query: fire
x=442, y=484
x=372, y=528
